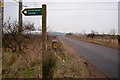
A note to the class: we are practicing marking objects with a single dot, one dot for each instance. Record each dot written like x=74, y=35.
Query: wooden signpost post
x=44, y=35
x=20, y=17
x=1, y=30
x=44, y=28
x=1, y=20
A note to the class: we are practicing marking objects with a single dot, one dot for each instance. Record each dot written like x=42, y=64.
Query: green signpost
x=32, y=11
x=40, y=11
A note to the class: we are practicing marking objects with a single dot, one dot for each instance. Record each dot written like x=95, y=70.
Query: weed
x=49, y=64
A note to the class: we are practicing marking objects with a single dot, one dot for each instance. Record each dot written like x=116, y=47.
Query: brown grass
x=27, y=65
x=101, y=41
x=58, y=64
x=69, y=65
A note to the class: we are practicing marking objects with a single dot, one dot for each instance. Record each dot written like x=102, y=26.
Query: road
x=104, y=58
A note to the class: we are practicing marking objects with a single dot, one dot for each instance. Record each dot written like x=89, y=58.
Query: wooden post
x=44, y=24
x=20, y=17
x=44, y=48
x=1, y=30
x=1, y=20
x=118, y=37
x=44, y=27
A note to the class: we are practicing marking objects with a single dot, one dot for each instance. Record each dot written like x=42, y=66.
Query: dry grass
x=26, y=65
x=69, y=64
x=58, y=64
x=49, y=65
x=19, y=67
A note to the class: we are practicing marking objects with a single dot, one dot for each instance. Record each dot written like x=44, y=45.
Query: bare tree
x=92, y=34
x=28, y=27
x=12, y=39
x=84, y=32
x=113, y=31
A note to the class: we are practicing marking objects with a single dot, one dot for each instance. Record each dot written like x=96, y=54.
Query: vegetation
x=49, y=65
x=13, y=40
x=22, y=57
x=69, y=34
x=102, y=39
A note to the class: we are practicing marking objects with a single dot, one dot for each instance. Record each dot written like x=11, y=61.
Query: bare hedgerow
x=13, y=40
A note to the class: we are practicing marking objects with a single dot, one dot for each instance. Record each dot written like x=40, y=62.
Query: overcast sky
x=71, y=15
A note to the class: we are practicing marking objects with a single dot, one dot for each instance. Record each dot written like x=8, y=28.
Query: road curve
x=104, y=58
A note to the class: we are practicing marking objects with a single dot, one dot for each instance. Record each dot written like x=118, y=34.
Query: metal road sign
x=54, y=44
x=32, y=11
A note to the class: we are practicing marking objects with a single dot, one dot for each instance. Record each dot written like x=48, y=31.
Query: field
x=105, y=40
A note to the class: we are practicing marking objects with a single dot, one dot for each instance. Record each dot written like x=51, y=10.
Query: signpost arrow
x=32, y=11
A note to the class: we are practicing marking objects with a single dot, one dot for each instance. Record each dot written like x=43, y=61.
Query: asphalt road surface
x=104, y=58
